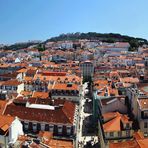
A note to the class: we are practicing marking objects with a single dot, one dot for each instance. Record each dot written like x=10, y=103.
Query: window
x=26, y=124
x=111, y=134
x=60, y=128
x=34, y=126
x=127, y=133
x=42, y=127
x=51, y=128
x=119, y=134
x=145, y=125
x=14, y=88
x=68, y=130
x=145, y=114
x=8, y=87
x=127, y=126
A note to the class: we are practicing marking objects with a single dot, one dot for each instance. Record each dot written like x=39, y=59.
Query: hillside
x=106, y=37
x=18, y=46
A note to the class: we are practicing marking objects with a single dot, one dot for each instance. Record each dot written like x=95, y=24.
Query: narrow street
x=85, y=113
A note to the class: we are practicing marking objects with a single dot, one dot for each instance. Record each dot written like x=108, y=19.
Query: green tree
x=41, y=47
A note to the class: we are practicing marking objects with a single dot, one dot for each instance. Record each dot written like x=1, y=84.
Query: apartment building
x=59, y=119
x=87, y=69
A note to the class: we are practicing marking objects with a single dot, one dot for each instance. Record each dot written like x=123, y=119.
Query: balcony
x=64, y=93
x=144, y=115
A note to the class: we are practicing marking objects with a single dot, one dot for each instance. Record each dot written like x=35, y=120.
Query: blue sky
x=23, y=20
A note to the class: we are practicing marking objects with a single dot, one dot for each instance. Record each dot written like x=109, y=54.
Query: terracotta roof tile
x=2, y=106
x=126, y=144
x=22, y=70
x=138, y=135
x=58, y=115
x=113, y=125
x=137, y=142
x=143, y=143
x=12, y=82
x=5, y=122
x=69, y=110
x=28, y=78
x=114, y=121
x=26, y=93
x=109, y=115
x=40, y=95
x=60, y=144
x=63, y=86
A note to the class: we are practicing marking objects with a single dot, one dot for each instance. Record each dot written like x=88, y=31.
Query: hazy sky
x=23, y=20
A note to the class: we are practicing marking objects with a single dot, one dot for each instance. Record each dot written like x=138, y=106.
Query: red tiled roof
x=55, y=143
x=13, y=82
x=138, y=142
x=40, y=95
x=26, y=93
x=47, y=138
x=31, y=72
x=59, y=115
x=114, y=123
x=143, y=143
x=45, y=73
x=126, y=144
x=5, y=122
x=109, y=115
x=45, y=135
x=138, y=135
x=2, y=106
x=26, y=78
x=69, y=110
x=63, y=86
x=22, y=70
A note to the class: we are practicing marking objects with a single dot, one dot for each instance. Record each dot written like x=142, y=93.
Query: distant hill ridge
x=104, y=37
x=95, y=36
x=111, y=37
x=21, y=45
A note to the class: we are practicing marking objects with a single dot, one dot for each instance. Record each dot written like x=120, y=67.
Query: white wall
x=20, y=88
x=20, y=76
x=15, y=130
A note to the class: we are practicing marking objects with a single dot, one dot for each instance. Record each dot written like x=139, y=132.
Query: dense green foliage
x=19, y=46
x=106, y=37
x=41, y=47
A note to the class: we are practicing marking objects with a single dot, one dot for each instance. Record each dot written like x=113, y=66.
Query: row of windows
x=51, y=127
x=111, y=134
x=8, y=88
